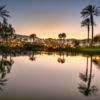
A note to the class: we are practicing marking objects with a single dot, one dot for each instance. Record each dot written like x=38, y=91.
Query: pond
x=49, y=76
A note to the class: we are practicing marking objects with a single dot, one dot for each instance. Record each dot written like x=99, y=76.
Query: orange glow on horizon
x=49, y=33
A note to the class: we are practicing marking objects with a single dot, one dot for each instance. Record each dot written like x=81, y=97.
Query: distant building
x=21, y=37
x=84, y=42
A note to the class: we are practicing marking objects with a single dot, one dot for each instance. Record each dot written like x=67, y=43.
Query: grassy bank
x=86, y=50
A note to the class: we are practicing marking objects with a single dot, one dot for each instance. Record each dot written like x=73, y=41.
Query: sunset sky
x=48, y=18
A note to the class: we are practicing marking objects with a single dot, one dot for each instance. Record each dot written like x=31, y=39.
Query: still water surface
x=50, y=76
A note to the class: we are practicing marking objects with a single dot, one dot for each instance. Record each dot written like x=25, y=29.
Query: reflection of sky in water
x=46, y=78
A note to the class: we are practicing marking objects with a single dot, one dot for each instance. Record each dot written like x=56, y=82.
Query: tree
x=11, y=30
x=3, y=12
x=89, y=12
x=33, y=36
x=86, y=23
x=62, y=36
x=6, y=30
x=1, y=28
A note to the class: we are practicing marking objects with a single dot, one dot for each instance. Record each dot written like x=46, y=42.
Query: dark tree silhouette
x=89, y=12
x=86, y=23
x=62, y=37
x=33, y=36
x=4, y=12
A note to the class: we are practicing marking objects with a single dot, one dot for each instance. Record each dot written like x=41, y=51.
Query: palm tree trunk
x=88, y=33
x=92, y=28
x=92, y=33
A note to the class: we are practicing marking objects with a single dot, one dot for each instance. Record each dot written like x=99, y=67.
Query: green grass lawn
x=87, y=50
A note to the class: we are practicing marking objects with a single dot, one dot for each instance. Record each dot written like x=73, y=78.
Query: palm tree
x=60, y=36
x=86, y=23
x=6, y=30
x=89, y=12
x=4, y=34
x=63, y=37
x=0, y=27
x=3, y=12
x=33, y=36
x=11, y=31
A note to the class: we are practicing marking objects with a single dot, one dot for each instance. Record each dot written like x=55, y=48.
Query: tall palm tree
x=86, y=23
x=89, y=12
x=33, y=36
x=3, y=12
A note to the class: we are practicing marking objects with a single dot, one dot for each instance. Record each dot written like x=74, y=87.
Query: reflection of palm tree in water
x=61, y=59
x=32, y=57
x=85, y=87
x=5, y=67
x=84, y=76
